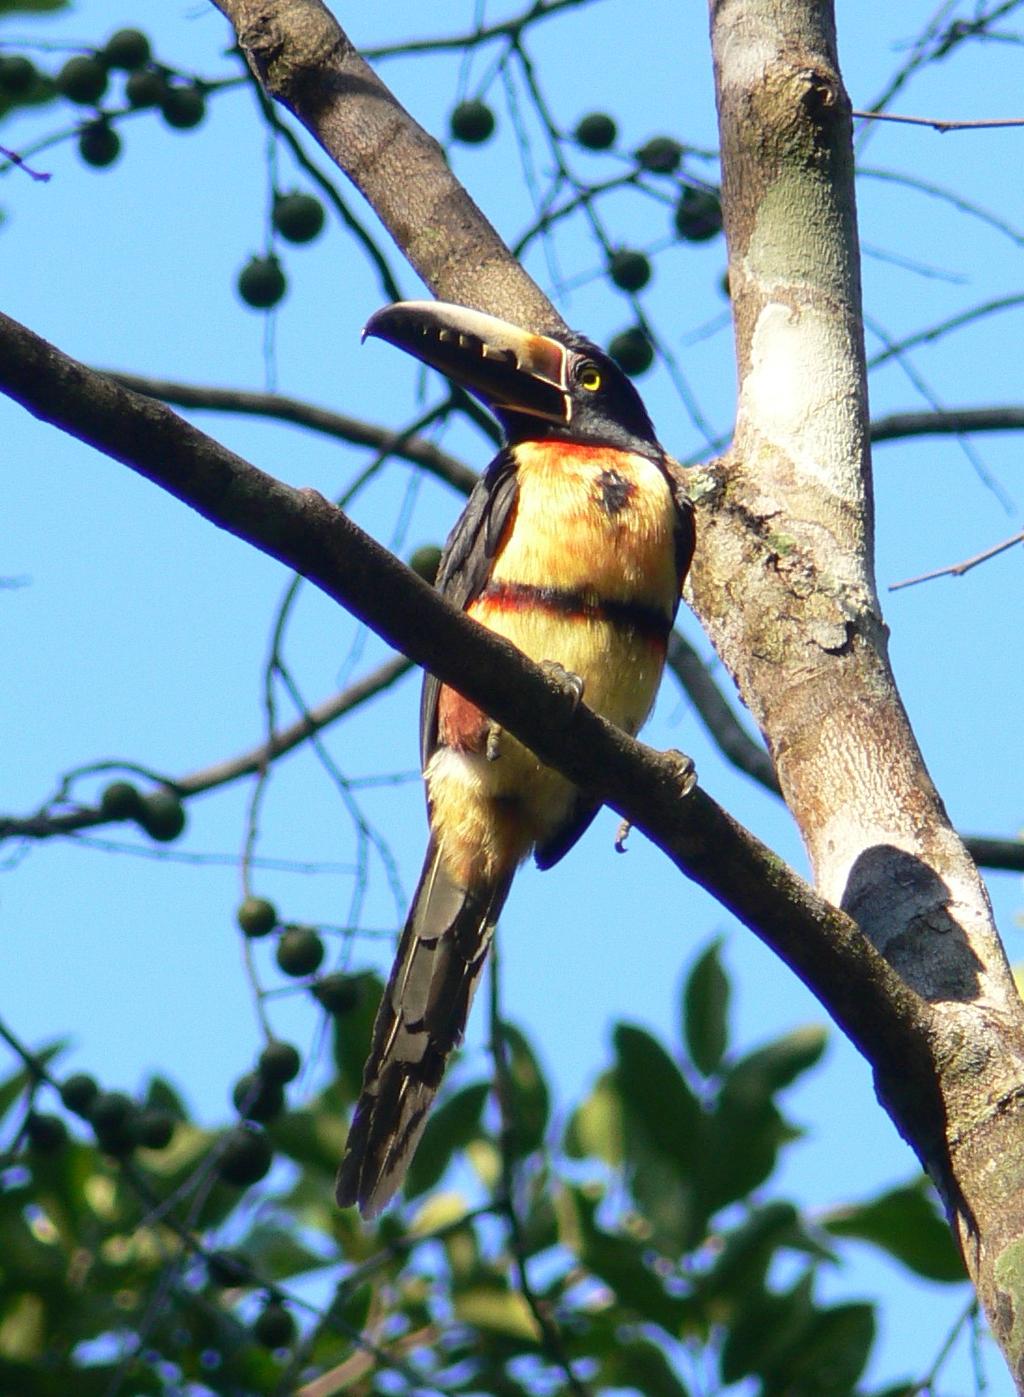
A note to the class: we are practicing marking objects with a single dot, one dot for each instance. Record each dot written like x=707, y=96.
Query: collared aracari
x=573, y=545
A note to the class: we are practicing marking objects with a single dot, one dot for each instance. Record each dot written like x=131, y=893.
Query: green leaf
x=11, y=7
x=743, y=1139
x=161, y=1096
x=14, y=1086
x=765, y=1331
x=797, y=1349
x=617, y=1260
x=743, y=1262
x=528, y=1109
x=746, y=1130
x=596, y=1128
x=779, y=1063
x=663, y=1138
x=498, y=1310
x=276, y=1254
x=831, y=1355
x=655, y=1095
x=705, y=1011
x=637, y=1365
x=313, y=1138
x=352, y=1032
x=907, y=1224
x=449, y=1128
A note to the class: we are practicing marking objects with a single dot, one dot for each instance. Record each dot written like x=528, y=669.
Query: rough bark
x=783, y=582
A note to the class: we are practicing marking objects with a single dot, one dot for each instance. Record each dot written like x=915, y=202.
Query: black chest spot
x=614, y=491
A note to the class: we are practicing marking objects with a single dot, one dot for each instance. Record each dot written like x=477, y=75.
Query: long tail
x=421, y=1019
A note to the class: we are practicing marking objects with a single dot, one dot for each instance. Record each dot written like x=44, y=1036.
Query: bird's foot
x=568, y=683
x=493, y=749
x=682, y=768
x=621, y=835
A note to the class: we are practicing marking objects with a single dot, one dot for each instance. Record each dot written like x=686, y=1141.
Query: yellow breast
x=595, y=519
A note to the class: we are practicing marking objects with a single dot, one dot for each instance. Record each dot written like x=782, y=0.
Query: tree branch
x=653, y=791
x=45, y=824
x=318, y=419
x=304, y=59
x=950, y=422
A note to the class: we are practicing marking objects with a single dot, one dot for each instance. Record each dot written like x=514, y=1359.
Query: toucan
x=573, y=546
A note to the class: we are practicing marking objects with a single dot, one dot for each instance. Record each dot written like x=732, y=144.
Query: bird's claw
x=570, y=684
x=493, y=749
x=621, y=835
x=684, y=770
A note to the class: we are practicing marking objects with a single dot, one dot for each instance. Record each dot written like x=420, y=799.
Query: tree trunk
x=784, y=584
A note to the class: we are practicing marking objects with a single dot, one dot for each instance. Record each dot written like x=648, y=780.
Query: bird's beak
x=509, y=369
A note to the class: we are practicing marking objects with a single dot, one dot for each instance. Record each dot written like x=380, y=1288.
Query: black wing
x=466, y=564
x=686, y=532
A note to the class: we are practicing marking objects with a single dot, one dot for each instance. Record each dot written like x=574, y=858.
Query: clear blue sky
x=141, y=632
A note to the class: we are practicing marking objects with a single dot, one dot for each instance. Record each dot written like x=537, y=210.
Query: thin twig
x=550, y=1334
x=509, y=28
x=44, y=824
x=938, y=124
x=958, y=569
x=408, y=446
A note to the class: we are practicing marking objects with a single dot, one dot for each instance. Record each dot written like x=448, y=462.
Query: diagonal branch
x=653, y=791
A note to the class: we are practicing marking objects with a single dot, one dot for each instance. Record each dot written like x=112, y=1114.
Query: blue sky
x=141, y=633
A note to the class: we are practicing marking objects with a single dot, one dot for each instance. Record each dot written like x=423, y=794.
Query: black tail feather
x=421, y=1019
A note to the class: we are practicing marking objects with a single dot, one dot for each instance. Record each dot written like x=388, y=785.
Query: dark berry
x=261, y=282
x=279, y=1062
x=110, y=1109
x=338, y=993
x=112, y=1116
x=661, y=155
x=145, y=88
x=257, y=917
x=424, y=562
x=183, y=107
x=275, y=1327
x=632, y=351
x=98, y=144
x=46, y=1134
x=17, y=75
x=127, y=48
x=698, y=215
x=120, y=800
x=245, y=1157
x=629, y=270
x=79, y=1092
x=153, y=1129
x=596, y=131
x=298, y=217
x=472, y=122
x=162, y=816
x=82, y=79
x=256, y=1099
x=299, y=951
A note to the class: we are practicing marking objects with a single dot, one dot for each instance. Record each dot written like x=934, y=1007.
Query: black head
x=538, y=386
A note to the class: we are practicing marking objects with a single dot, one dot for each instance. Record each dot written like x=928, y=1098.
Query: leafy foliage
x=644, y=1230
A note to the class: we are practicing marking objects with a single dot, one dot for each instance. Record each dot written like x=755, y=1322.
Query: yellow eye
x=589, y=377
